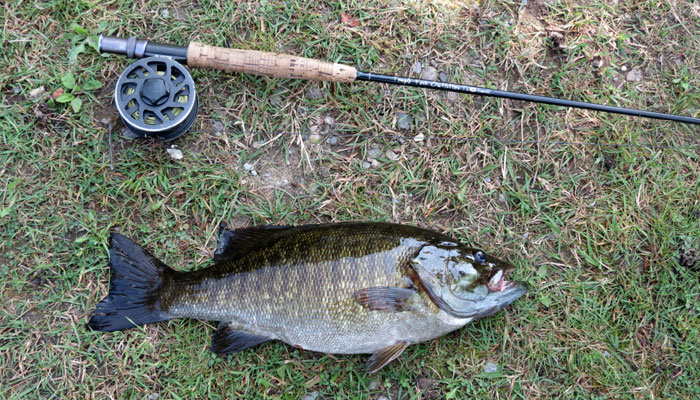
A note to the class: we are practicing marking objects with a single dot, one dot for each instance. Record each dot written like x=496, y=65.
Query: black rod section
x=473, y=90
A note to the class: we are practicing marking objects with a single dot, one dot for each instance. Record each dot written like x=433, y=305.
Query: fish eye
x=480, y=257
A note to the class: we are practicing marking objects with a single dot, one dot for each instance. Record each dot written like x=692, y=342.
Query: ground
x=599, y=212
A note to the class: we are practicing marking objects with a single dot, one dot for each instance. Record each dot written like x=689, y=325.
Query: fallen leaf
x=348, y=19
x=57, y=93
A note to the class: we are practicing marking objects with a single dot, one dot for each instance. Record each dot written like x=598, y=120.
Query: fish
x=345, y=288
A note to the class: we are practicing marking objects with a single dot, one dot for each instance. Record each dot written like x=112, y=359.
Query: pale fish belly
x=379, y=331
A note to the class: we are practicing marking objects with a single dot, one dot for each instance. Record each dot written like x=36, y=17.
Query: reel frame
x=156, y=97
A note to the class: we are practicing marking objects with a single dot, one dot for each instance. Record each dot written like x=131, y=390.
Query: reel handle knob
x=269, y=64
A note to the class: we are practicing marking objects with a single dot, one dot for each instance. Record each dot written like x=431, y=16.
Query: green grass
x=596, y=230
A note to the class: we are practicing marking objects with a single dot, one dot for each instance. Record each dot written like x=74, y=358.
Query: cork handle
x=270, y=64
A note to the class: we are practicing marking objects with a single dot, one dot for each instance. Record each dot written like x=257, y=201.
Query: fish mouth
x=505, y=293
x=499, y=281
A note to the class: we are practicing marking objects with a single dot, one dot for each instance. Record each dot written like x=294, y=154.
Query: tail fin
x=134, y=288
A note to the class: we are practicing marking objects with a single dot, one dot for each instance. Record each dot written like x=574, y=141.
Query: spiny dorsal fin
x=384, y=356
x=384, y=298
x=228, y=340
x=232, y=241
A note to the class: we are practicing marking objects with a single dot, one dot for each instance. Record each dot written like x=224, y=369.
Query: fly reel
x=156, y=97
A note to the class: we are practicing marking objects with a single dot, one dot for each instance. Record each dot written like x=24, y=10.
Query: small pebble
x=218, y=126
x=490, y=367
x=164, y=13
x=606, y=354
x=315, y=137
x=314, y=93
x=526, y=235
x=382, y=397
x=429, y=74
x=391, y=155
x=443, y=77
x=419, y=137
x=366, y=165
x=254, y=173
x=487, y=180
x=511, y=21
x=333, y=140
x=635, y=75
x=248, y=167
x=502, y=198
x=302, y=110
x=153, y=396
x=375, y=163
x=374, y=152
x=403, y=121
x=276, y=100
x=311, y=396
x=373, y=385
x=417, y=68
x=624, y=68
x=17, y=90
x=36, y=92
x=175, y=153
x=597, y=62
x=329, y=120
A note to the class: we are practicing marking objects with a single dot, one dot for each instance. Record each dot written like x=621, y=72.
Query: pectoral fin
x=384, y=298
x=384, y=356
x=228, y=340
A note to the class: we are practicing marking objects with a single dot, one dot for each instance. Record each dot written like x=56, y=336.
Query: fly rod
x=200, y=55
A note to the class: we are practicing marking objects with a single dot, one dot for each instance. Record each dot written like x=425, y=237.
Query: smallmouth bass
x=344, y=288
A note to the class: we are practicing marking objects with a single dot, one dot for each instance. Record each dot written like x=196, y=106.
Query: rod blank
x=474, y=90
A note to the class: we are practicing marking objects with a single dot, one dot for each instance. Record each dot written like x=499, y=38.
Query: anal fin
x=228, y=340
x=384, y=298
x=384, y=356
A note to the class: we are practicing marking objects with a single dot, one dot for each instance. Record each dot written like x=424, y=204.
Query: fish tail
x=134, y=288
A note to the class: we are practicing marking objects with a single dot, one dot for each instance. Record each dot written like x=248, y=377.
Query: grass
x=596, y=215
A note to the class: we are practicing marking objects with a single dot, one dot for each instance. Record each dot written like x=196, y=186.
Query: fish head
x=466, y=282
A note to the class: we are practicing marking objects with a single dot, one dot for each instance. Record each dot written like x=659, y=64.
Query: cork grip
x=270, y=64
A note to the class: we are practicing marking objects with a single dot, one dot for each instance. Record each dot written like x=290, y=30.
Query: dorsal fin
x=233, y=241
